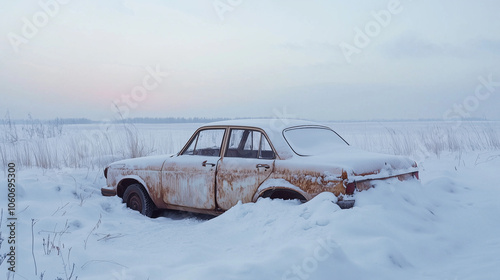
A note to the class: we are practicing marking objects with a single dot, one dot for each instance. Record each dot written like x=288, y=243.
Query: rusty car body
x=243, y=160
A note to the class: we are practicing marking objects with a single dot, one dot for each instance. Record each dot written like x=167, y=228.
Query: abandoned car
x=243, y=160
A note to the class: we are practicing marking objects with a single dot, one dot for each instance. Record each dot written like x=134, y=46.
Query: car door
x=189, y=178
x=247, y=162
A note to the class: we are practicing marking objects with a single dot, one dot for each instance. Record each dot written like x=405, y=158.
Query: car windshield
x=310, y=141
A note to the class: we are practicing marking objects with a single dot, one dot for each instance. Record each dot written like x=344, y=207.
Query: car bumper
x=363, y=183
x=106, y=191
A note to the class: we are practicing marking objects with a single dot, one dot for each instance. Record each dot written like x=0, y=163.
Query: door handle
x=266, y=166
x=205, y=163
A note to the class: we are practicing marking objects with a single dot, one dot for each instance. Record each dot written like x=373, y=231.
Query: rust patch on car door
x=189, y=181
x=239, y=178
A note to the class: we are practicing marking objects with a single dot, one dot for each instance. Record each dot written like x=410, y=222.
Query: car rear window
x=310, y=141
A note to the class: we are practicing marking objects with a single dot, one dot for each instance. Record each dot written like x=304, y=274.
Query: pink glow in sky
x=326, y=60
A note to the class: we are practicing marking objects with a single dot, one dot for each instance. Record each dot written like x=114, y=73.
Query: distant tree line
x=56, y=121
x=6, y=120
x=66, y=121
x=174, y=120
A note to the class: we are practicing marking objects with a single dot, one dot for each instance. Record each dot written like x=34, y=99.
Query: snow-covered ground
x=444, y=227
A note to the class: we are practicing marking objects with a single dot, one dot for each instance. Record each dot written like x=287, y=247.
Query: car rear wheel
x=283, y=194
x=137, y=198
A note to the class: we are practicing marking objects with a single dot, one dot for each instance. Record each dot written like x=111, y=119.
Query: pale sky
x=323, y=60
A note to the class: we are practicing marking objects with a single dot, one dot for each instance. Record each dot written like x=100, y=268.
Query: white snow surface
x=445, y=227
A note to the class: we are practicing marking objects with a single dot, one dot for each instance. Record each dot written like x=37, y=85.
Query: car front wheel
x=137, y=198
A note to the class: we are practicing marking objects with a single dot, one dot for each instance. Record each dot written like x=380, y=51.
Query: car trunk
x=358, y=163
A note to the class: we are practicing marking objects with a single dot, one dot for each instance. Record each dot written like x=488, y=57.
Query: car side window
x=246, y=143
x=266, y=152
x=207, y=142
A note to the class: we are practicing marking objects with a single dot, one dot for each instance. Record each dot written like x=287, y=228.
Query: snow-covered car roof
x=266, y=124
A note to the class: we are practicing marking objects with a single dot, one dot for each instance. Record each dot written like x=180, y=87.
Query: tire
x=137, y=199
x=284, y=194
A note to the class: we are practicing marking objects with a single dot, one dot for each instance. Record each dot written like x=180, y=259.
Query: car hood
x=358, y=163
x=154, y=163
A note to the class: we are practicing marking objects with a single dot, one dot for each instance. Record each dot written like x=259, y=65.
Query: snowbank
x=445, y=227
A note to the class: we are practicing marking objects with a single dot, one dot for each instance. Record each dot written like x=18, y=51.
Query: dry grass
x=82, y=146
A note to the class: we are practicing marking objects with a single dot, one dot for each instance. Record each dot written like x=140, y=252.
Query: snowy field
x=444, y=227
